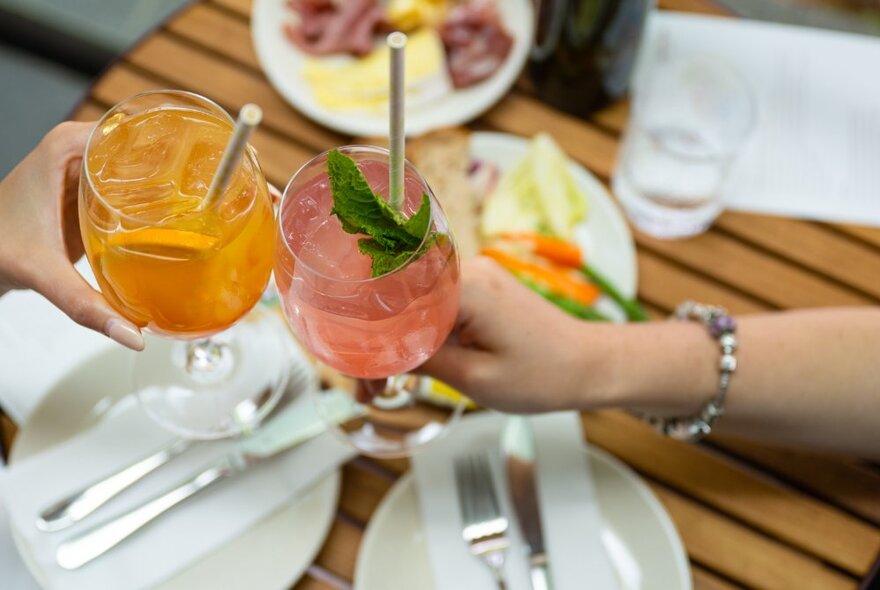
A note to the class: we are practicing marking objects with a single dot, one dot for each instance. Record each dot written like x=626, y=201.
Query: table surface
x=749, y=515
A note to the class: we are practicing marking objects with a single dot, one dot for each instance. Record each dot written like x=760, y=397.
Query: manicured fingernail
x=125, y=333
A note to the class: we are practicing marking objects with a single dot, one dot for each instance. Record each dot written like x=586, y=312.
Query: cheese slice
x=362, y=84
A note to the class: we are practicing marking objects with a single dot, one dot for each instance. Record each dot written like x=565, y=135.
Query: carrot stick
x=560, y=282
x=554, y=249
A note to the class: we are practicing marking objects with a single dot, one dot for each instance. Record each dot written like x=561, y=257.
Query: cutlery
x=485, y=528
x=289, y=428
x=72, y=509
x=80, y=504
x=518, y=450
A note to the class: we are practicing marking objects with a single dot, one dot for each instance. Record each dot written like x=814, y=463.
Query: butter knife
x=518, y=450
x=293, y=426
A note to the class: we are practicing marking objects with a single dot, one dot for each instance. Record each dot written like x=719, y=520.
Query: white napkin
x=173, y=541
x=40, y=345
x=14, y=572
x=567, y=500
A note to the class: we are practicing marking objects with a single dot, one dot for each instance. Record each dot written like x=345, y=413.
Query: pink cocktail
x=364, y=326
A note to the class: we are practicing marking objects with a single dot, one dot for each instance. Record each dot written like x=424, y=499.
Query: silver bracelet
x=722, y=327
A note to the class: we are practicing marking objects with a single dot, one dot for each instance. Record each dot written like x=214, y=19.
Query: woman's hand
x=40, y=238
x=514, y=352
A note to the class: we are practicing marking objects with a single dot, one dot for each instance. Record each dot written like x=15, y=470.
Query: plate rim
x=406, y=482
x=332, y=481
x=357, y=125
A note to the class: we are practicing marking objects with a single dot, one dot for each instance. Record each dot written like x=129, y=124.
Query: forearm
x=805, y=378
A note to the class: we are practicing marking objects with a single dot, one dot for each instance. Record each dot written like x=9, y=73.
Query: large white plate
x=282, y=62
x=637, y=533
x=271, y=556
x=603, y=236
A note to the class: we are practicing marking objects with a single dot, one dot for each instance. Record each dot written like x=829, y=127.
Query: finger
x=70, y=293
x=457, y=366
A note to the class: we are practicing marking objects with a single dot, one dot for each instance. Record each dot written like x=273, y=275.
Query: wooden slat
x=667, y=285
x=168, y=58
x=7, y=434
x=744, y=555
x=339, y=553
x=810, y=245
x=698, y=6
x=786, y=514
x=613, y=118
x=241, y=7
x=868, y=234
x=753, y=272
x=217, y=30
x=362, y=490
x=705, y=580
x=847, y=483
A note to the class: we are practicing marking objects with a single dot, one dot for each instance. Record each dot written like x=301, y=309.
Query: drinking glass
x=370, y=329
x=689, y=122
x=183, y=270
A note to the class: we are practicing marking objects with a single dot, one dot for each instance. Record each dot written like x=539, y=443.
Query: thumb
x=70, y=293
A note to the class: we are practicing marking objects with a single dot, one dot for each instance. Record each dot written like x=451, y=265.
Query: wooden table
x=749, y=515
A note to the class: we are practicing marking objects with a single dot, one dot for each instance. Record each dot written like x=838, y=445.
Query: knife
x=518, y=449
x=291, y=427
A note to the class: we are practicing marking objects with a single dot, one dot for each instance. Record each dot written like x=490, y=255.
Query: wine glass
x=183, y=270
x=370, y=329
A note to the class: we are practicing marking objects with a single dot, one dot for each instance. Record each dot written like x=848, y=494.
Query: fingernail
x=125, y=333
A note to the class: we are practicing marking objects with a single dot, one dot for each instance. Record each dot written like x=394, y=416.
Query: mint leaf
x=360, y=210
x=417, y=225
x=393, y=239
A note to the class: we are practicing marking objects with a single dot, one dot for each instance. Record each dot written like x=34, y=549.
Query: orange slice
x=153, y=239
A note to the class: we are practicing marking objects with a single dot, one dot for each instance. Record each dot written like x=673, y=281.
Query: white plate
x=271, y=555
x=603, y=236
x=283, y=62
x=637, y=533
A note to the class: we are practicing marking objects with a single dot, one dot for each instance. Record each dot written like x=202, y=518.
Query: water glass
x=690, y=120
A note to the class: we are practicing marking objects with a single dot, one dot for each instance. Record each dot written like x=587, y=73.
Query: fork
x=484, y=527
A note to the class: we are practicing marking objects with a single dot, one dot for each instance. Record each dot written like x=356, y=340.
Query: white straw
x=396, y=43
x=248, y=119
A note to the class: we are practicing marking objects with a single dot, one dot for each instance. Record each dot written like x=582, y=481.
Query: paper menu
x=815, y=149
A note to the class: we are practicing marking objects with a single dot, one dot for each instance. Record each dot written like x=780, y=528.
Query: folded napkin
x=174, y=540
x=40, y=345
x=567, y=500
x=15, y=574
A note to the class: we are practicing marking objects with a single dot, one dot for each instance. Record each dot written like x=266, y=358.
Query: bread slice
x=443, y=158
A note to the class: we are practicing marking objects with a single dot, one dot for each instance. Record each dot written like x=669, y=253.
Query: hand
x=40, y=238
x=513, y=351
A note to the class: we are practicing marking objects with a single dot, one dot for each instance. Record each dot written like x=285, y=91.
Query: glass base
x=218, y=387
x=394, y=417
x=663, y=221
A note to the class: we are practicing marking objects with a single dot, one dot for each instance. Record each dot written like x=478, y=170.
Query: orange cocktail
x=186, y=268
x=161, y=258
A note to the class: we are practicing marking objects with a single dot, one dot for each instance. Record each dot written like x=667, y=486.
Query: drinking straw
x=249, y=117
x=396, y=43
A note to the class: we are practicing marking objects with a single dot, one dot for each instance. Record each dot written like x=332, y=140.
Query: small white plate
x=641, y=540
x=283, y=62
x=603, y=237
x=271, y=555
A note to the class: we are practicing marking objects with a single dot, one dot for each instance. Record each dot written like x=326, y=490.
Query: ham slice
x=476, y=43
x=326, y=27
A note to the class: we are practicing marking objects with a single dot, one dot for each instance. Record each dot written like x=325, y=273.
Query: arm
x=805, y=378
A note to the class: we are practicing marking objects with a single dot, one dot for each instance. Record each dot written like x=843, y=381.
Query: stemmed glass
x=183, y=270
x=371, y=329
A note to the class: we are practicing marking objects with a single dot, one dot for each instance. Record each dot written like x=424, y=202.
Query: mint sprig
x=393, y=238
